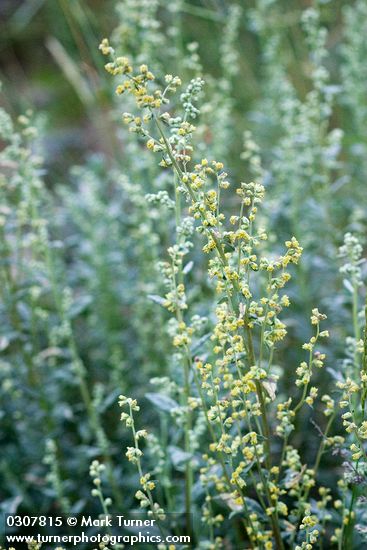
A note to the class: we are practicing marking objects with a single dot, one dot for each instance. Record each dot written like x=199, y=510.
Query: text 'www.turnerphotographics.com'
x=79, y=530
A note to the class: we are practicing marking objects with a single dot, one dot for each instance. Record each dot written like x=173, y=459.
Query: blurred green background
x=49, y=60
x=299, y=86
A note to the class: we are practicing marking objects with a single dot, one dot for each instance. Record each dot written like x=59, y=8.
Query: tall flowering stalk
x=234, y=384
x=352, y=401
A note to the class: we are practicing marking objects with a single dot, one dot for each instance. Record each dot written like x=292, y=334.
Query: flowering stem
x=234, y=301
x=364, y=362
x=187, y=367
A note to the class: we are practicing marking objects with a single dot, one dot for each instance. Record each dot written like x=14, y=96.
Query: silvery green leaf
x=188, y=267
x=199, y=343
x=348, y=285
x=4, y=342
x=80, y=305
x=157, y=299
x=179, y=457
x=162, y=401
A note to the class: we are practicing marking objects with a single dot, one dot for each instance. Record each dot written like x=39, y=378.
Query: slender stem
x=234, y=300
x=315, y=469
x=187, y=367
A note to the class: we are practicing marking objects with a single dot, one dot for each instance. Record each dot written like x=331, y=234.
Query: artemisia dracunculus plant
x=247, y=461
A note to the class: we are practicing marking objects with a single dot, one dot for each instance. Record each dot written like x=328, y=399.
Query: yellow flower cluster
x=236, y=387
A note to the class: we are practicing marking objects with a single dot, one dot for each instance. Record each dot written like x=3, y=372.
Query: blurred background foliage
x=78, y=317
x=49, y=61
